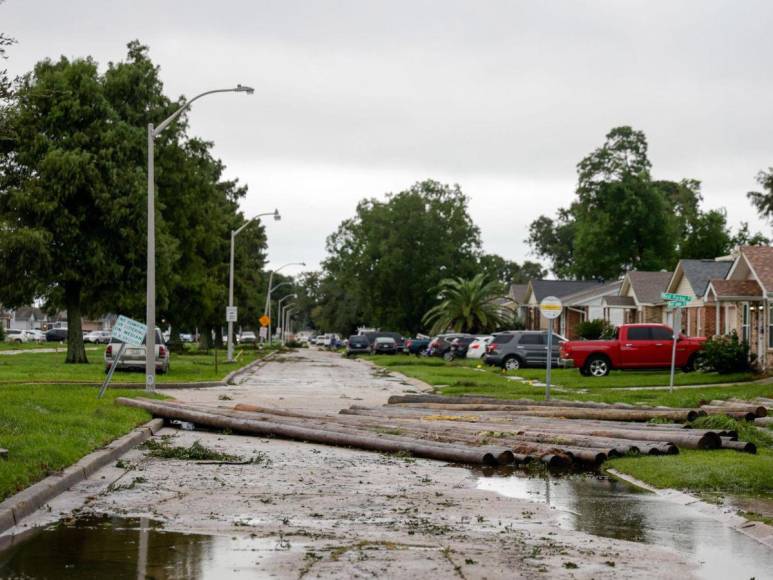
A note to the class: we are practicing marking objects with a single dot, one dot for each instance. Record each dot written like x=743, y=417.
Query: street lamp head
x=243, y=89
x=277, y=217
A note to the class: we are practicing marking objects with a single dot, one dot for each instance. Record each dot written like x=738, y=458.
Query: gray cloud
x=357, y=98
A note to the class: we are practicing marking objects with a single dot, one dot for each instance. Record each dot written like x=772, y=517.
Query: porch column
x=716, y=311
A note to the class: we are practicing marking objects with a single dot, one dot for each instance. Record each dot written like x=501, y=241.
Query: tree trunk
x=76, y=352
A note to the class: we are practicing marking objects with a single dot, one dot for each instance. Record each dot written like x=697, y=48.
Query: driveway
x=317, y=511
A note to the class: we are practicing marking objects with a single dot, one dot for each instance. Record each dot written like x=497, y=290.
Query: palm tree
x=467, y=305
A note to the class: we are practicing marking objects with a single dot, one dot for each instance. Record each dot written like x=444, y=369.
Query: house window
x=745, y=326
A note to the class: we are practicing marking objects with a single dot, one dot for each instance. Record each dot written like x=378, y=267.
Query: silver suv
x=133, y=357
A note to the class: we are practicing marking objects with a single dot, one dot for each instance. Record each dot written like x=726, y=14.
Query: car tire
x=690, y=366
x=448, y=356
x=598, y=366
x=512, y=363
x=585, y=372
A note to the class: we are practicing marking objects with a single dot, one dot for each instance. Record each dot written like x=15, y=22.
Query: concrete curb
x=759, y=531
x=229, y=379
x=29, y=500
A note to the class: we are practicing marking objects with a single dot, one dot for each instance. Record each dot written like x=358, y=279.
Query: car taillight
x=491, y=348
x=109, y=350
x=161, y=351
x=408, y=343
x=474, y=346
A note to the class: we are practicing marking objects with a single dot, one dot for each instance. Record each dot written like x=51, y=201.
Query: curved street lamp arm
x=164, y=124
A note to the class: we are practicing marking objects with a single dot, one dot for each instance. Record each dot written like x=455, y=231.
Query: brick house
x=691, y=278
x=639, y=298
x=743, y=301
x=539, y=289
x=583, y=306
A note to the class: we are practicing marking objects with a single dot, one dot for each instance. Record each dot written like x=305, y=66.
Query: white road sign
x=230, y=313
x=129, y=331
x=551, y=307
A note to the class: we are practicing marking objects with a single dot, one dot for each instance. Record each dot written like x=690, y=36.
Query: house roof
x=592, y=292
x=622, y=301
x=27, y=312
x=560, y=288
x=647, y=286
x=699, y=272
x=760, y=258
x=518, y=292
x=736, y=288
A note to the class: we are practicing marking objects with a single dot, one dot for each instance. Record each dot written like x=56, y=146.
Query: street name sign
x=551, y=307
x=129, y=331
x=230, y=313
x=676, y=297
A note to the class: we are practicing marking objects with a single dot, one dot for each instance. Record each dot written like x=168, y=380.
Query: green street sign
x=676, y=297
x=676, y=304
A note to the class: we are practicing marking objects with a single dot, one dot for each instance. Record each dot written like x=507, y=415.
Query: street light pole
x=235, y=233
x=268, y=293
x=150, y=297
x=285, y=330
x=279, y=311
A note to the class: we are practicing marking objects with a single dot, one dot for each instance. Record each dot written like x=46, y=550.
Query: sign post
x=675, y=302
x=128, y=331
x=551, y=308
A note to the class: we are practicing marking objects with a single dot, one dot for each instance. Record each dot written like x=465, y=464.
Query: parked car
x=329, y=340
x=37, y=335
x=133, y=357
x=522, y=348
x=417, y=346
x=396, y=336
x=634, y=346
x=384, y=345
x=247, y=337
x=97, y=337
x=56, y=335
x=459, y=347
x=16, y=335
x=441, y=344
x=185, y=337
x=357, y=344
x=478, y=347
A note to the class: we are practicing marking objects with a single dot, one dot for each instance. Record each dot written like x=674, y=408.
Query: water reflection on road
x=615, y=509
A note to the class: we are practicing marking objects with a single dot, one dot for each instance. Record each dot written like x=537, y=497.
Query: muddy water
x=117, y=548
x=615, y=509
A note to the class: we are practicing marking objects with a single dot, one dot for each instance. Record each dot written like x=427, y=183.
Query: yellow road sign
x=264, y=320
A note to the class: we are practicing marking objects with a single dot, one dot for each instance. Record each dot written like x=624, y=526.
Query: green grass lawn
x=50, y=367
x=704, y=471
x=31, y=345
x=48, y=427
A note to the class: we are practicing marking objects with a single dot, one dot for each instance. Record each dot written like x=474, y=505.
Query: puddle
x=606, y=507
x=116, y=548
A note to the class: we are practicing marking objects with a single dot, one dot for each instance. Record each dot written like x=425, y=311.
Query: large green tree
x=382, y=261
x=763, y=200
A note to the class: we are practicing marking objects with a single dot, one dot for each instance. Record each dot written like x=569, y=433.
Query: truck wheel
x=598, y=366
x=584, y=371
x=512, y=363
x=690, y=366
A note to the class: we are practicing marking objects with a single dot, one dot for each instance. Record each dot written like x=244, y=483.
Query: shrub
x=595, y=329
x=725, y=354
x=2, y=331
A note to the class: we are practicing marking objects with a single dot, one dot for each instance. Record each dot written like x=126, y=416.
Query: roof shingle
x=649, y=285
x=699, y=272
x=761, y=259
x=737, y=288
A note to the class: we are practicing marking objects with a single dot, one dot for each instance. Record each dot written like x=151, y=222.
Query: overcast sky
x=358, y=98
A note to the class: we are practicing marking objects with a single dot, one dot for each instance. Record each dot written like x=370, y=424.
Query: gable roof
x=27, y=313
x=760, y=258
x=604, y=289
x=735, y=288
x=560, y=288
x=699, y=272
x=518, y=292
x=647, y=286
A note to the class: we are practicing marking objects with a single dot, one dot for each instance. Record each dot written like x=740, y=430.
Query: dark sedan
x=56, y=335
x=384, y=345
x=357, y=344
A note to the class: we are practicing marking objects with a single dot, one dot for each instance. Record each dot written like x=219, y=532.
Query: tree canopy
x=73, y=200
x=467, y=305
x=624, y=220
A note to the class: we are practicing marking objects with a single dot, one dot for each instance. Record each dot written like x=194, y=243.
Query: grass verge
x=47, y=428
x=188, y=367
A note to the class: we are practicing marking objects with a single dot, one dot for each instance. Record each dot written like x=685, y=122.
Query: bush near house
x=2, y=332
x=726, y=354
x=595, y=329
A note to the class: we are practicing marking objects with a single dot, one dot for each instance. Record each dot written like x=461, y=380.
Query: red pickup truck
x=634, y=346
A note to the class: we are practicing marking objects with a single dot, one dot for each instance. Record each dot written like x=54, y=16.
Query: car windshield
x=502, y=338
x=358, y=340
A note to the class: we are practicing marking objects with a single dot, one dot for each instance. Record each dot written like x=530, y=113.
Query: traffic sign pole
x=675, y=332
x=550, y=359
x=551, y=308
